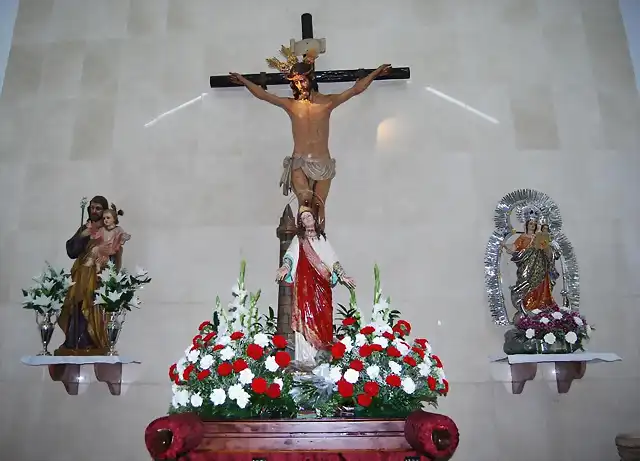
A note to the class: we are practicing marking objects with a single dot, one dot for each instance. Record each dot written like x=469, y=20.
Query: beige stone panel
x=32, y=22
x=578, y=118
x=107, y=20
x=147, y=17
x=141, y=66
x=62, y=69
x=565, y=45
x=16, y=126
x=69, y=20
x=100, y=68
x=620, y=114
x=53, y=128
x=93, y=131
x=534, y=118
x=24, y=69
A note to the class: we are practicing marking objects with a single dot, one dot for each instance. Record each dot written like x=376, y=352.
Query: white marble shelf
x=568, y=367
x=38, y=360
x=66, y=369
x=594, y=357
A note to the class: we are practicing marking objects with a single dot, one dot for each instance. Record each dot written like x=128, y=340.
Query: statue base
x=63, y=351
x=430, y=435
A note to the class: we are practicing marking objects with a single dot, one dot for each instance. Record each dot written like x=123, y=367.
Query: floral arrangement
x=555, y=325
x=117, y=288
x=373, y=369
x=235, y=367
x=48, y=293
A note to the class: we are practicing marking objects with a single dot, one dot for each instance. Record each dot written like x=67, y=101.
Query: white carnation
x=223, y=340
x=373, y=371
x=348, y=342
x=530, y=333
x=261, y=340
x=206, y=362
x=557, y=315
x=578, y=321
x=271, y=364
x=395, y=367
x=549, y=338
x=218, y=397
x=571, y=337
x=234, y=391
x=243, y=399
x=544, y=320
x=227, y=353
x=196, y=401
x=382, y=341
x=361, y=340
x=335, y=374
x=424, y=369
x=246, y=376
x=351, y=376
x=408, y=385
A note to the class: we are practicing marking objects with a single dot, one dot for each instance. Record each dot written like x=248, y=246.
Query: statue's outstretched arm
x=260, y=92
x=360, y=86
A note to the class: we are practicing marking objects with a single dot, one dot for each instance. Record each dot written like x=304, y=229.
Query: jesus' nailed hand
x=310, y=169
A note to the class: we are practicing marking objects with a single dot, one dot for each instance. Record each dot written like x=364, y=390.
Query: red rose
x=218, y=347
x=225, y=369
x=172, y=372
x=345, y=389
x=338, y=350
x=365, y=350
x=279, y=341
x=437, y=360
x=364, y=400
x=283, y=359
x=204, y=325
x=410, y=361
x=356, y=365
x=259, y=385
x=348, y=321
x=273, y=391
x=376, y=347
x=254, y=351
x=421, y=342
x=389, y=336
x=371, y=388
x=203, y=374
x=393, y=380
x=237, y=335
x=393, y=352
x=239, y=365
x=187, y=372
x=196, y=340
x=445, y=391
x=208, y=337
x=418, y=351
x=368, y=330
x=431, y=382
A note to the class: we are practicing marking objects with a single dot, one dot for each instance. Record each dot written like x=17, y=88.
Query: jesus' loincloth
x=314, y=169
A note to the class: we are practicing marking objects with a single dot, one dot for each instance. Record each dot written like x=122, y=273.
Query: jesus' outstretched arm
x=258, y=91
x=359, y=86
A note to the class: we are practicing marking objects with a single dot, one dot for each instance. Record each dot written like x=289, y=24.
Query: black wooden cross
x=324, y=76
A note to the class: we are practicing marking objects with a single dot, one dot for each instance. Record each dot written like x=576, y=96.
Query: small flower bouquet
x=556, y=330
x=117, y=288
x=373, y=369
x=47, y=295
x=235, y=366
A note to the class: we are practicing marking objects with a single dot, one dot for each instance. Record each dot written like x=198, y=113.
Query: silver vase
x=113, y=322
x=46, y=325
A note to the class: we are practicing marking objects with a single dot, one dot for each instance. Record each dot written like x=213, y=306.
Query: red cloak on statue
x=312, y=306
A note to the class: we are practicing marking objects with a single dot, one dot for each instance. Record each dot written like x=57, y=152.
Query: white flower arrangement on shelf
x=235, y=367
x=373, y=368
x=117, y=289
x=47, y=296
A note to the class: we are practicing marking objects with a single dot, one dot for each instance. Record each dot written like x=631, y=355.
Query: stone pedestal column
x=285, y=233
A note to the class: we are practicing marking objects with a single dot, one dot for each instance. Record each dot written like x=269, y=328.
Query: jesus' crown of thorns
x=291, y=60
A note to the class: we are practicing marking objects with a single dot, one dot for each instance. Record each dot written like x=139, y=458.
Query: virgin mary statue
x=534, y=255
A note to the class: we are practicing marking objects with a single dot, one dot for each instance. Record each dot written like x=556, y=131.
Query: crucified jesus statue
x=310, y=168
